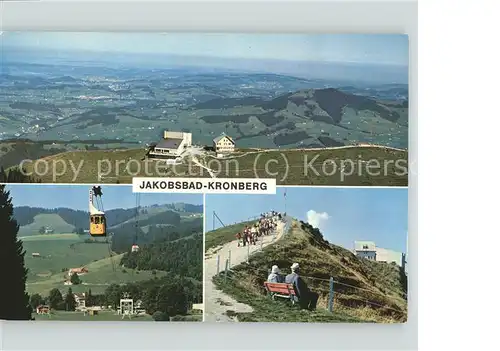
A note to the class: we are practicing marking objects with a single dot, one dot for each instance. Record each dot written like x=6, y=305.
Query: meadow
x=109, y=316
x=60, y=252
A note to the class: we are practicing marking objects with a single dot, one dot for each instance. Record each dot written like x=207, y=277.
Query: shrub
x=159, y=316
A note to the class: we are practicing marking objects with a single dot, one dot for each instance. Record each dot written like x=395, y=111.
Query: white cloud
x=317, y=219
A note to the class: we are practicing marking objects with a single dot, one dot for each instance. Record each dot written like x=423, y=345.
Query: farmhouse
x=42, y=309
x=224, y=144
x=80, y=300
x=78, y=271
x=171, y=146
x=46, y=230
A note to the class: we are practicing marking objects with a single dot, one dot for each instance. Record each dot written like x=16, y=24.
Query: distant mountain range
x=113, y=107
x=315, y=118
x=339, y=71
x=322, y=105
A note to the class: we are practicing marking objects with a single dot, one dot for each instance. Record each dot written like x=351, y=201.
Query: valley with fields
x=151, y=254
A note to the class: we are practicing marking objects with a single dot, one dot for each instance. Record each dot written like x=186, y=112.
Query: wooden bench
x=283, y=290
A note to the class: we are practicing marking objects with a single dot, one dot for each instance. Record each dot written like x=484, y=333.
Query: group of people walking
x=266, y=225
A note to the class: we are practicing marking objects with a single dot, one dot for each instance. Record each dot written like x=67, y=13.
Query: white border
x=203, y=259
x=239, y=16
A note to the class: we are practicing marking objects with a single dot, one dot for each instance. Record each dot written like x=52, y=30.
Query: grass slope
x=223, y=235
x=51, y=220
x=64, y=251
x=292, y=166
x=58, y=252
x=366, y=291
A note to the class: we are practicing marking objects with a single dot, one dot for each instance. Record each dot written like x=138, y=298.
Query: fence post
x=248, y=253
x=227, y=268
x=261, y=242
x=330, y=296
x=218, y=263
x=229, y=258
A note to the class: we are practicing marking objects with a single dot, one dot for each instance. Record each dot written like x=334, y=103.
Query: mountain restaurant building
x=224, y=144
x=171, y=146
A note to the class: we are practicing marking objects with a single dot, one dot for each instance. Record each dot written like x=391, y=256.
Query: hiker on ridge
x=307, y=298
x=239, y=238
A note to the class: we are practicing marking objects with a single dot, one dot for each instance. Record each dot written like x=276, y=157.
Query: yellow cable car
x=97, y=217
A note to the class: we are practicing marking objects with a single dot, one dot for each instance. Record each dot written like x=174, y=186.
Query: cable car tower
x=126, y=306
x=135, y=244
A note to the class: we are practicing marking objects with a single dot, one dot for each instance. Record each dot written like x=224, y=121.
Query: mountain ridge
x=365, y=290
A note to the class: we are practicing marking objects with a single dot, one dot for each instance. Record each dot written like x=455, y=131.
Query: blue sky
x=348, y=48
x=76, y=197
x=342, y=214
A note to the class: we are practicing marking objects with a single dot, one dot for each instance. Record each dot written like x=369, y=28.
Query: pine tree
x=90, y=301
x=70, y=301
x=14, y=299
x=36, y=300
x=75, y=279
x=3, y=175
x=55, y=298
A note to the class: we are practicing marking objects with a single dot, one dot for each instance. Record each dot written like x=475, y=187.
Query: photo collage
x=204, y=177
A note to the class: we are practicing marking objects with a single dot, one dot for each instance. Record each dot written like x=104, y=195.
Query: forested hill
x=182, y=256
x=167, y=226
x=119, y=221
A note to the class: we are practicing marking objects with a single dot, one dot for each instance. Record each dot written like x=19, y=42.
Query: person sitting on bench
x=275, y=276
x=307, y=298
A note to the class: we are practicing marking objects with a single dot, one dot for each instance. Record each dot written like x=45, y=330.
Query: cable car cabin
x=97, y=218
x=97, y=225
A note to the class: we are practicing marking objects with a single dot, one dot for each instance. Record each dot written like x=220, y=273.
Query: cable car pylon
x=135, y=244
x=214, y=217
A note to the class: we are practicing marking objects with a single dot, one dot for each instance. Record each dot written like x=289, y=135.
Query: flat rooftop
x=169, y=143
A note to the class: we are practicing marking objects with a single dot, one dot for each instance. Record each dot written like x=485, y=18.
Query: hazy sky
x=76, y=197
x=342, y=214
x=358, y=48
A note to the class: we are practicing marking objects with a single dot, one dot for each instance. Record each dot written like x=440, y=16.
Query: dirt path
x=216, y=302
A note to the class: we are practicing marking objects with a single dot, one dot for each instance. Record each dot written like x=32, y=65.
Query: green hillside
x=224, y=235
x=363, y=290
x=58, y=253
x=165, y=274
x=391, y=166
x=52, y=221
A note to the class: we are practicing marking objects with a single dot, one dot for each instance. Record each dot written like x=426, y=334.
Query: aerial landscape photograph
x=105, y=107
x=100, y=253
x=307, y=254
